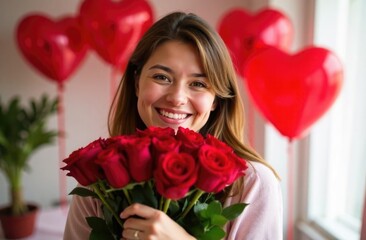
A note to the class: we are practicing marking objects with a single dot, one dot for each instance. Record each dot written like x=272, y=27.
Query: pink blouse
x=262, y=218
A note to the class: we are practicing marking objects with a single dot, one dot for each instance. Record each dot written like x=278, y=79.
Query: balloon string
x=251, y=124
x=113, y=87
x=290, y=191
x=61, y=144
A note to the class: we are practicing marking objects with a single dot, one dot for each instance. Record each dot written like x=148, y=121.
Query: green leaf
x=195, y=228
x=215, y=233
x=174, y=209
x=200, y=209
x=130, y=186
x=83, y=192
x=99, y=228
x=117, y=204
x=144, y=194
x=218, y=220
x=183, y=203
x=234, y=210
x=214, y=208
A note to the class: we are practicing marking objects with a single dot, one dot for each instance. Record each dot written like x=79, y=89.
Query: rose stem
x=166, y=205
x=125, y=191
x=196, y=196
x=100, y=195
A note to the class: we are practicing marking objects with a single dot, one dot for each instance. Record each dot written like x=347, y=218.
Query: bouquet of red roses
x=179, y=174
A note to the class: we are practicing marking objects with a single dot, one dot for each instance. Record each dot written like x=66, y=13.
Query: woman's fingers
x=132, y=234
x=150, y=223
x=138, y=220
x=135, y=223
x=139, y=210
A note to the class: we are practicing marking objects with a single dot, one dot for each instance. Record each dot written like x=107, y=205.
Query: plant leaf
x=83, y=192
x=99, y=228
x=234, y=210
x=200, y=209
x=214, y=208
x=215, y=233
x=174, y=209
x=218, y=220
x=117, y=204
x=144, y=194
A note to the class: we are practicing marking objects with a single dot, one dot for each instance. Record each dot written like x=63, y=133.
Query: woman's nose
x=177, y=95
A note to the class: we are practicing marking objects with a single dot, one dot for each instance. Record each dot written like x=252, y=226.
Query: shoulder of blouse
x=259, y=172
x=259, y=183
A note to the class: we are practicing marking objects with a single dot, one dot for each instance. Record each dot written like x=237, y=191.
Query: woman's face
x=173, y=90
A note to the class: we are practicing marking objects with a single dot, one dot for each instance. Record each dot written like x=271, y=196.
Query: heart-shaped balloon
x=115, y=27
x=293, y=91
x=54, y=47
x=244, y=33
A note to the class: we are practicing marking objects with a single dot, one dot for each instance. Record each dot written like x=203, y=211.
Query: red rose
x=216, y=169
x=138, y=155
x=211, y=140
x=81, y=165
x=175, y=174
x=239, y=170
x=114, y=142
x=163, y=145
x=156, y=132
x=191, y=140
x=113, y=164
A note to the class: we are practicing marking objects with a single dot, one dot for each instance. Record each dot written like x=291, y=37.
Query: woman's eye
x=199, y=84
x=160, y=77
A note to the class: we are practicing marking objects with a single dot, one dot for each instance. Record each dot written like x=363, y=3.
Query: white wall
x=86, y=91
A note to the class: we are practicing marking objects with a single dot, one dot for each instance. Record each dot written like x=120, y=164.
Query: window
x=337, y=172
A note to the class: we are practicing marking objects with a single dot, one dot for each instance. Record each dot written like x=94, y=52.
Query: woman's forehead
x=176, y=55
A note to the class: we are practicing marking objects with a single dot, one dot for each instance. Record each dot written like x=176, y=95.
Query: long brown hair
x=226, y=122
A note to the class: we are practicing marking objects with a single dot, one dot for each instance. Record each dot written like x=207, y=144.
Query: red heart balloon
x=115, y=27
x=55, y=48
x=293, y=91
x=244, y=33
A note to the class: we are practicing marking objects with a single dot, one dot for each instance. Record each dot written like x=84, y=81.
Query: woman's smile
x=173, y=115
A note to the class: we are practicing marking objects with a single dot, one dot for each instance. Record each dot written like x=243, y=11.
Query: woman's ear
x=214, y=104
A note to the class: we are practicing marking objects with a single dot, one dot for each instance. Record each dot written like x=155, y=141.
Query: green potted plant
x=23, y=130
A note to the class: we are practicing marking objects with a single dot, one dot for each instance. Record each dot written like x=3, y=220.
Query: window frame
x=317, y=192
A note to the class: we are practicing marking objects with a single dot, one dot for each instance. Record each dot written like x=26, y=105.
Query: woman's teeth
x=173, y=115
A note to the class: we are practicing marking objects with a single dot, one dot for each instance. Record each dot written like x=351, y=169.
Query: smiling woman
x=181, y=75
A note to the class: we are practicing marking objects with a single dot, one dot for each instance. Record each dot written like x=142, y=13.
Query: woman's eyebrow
x=202, y=75
x=169, y=70
x=164, y=68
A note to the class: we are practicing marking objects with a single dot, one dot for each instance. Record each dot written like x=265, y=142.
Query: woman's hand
x=144, y=222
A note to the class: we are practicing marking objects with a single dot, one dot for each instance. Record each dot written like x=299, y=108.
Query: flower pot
x=18, y=226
